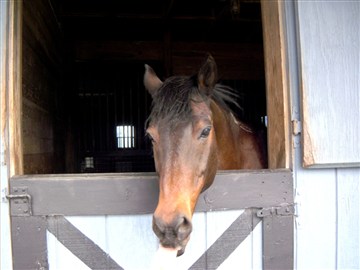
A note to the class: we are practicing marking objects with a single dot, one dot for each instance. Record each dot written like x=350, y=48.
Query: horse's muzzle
x=174, y=234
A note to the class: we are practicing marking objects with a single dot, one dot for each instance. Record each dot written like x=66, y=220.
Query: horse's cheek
x=157, y=161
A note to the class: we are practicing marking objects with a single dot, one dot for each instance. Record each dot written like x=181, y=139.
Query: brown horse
x=193, y=133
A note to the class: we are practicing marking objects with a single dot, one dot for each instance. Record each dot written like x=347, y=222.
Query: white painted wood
x=329, y=35
x=316, y=221
x=94, y=227
x=327, y=222
x=5, y=238
x=60, y=258
x=244, y=256
x=130, y=241
x=249, y=254
x=348, y=218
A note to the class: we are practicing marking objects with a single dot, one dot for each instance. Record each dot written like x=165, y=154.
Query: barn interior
x=84, y=103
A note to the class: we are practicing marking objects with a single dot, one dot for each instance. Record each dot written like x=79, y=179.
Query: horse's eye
x=205, y=132
x=150, y=137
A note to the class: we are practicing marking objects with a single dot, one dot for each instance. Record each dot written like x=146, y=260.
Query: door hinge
x=296, y=127
x=20, y=201
x=282, y=210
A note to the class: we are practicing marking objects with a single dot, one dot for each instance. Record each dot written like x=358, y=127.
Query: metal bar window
x=125, y=136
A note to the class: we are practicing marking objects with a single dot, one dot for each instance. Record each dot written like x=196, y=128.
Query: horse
x=194, y=133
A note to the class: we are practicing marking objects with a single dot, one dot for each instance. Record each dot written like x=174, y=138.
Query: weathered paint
x=135, y=240
x=329, y=37
x=328, y=208
x=114, y=239
x=5, y=238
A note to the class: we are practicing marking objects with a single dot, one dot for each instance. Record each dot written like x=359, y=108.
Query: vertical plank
x=348, y=218
x=131, y=241
x=329, y=34
x=276, y=85
x=14, y=88
x=29, y=243
x=316, y=219
x=5, y=229
x=257, y=248
x=278, y=242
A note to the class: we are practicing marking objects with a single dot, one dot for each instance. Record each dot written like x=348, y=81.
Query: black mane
x=172, y=101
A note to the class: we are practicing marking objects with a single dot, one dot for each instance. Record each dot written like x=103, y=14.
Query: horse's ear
x=207, y=76
x=151, y=80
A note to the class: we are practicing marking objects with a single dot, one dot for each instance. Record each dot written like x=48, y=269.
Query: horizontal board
x=121, y=194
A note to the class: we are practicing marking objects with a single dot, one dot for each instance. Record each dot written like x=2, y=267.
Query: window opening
x=125, y=135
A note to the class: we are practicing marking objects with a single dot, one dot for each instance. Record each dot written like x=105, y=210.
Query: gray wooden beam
x=121, y=194
x=29, y=246
x=278, y=242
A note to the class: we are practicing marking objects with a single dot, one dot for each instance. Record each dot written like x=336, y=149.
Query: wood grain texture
x=316, y=219
x=119, y=194
x=42, y=120
x=276, y=85
x=329, y=34
x=235, y=61
x=14, y=89
x=348, y=218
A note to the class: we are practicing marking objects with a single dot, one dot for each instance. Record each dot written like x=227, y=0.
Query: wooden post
x=12, y=102
x=276, y=85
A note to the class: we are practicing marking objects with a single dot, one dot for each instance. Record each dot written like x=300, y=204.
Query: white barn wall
x=316, y=221
x=328, y=222
x=328, y=208
x=348, y=218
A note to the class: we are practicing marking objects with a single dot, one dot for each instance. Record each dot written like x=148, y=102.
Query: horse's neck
x=236, y=142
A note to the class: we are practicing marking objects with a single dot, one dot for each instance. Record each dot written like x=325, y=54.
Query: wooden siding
x=328, y=212
x=328, y=200
x=43, y=120
x=329, y=34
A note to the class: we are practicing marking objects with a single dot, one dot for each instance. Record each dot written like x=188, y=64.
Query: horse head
x=180, y=127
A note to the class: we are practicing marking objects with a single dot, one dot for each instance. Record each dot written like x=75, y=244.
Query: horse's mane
x=173, y=100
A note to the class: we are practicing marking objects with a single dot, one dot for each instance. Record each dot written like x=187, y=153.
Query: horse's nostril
x=174, y=233
x=183, y=228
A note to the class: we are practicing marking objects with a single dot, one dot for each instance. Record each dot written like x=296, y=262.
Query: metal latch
x=282, y=210
x=20, y=201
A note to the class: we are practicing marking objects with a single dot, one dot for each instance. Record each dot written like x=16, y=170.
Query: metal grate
x=110, y=113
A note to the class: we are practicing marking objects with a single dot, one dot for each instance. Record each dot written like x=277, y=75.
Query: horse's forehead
x=200, y=109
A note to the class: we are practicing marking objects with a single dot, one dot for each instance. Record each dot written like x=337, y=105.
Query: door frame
x=279, y=138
